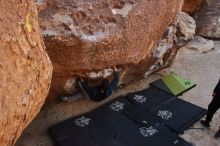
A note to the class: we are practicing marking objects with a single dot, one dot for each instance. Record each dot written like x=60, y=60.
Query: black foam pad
x=94, y=127
x=121, y=123
x=141, y=116
x=157, y=135
x=150, y=98
x=179, y=114
x=113, y=142
x=116, y=106
x=80, y=131
x=165, y=137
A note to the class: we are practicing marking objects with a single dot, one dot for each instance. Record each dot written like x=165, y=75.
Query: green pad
x=174, y=84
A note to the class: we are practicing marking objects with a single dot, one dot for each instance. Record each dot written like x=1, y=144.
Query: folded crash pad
x=150, y=98
x=178, y=115
x=173, y=84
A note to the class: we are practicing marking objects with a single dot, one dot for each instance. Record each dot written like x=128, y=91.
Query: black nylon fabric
x=126, y=121
x=155, y=98
x=142, y=116
x=184, y=114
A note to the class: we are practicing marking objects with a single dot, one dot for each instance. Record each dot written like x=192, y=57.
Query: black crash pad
x=115, y=124
x=116, y=106
x=80, y=131
x=150, y=98
x=142, y=116
x=157, y=135
x=113, y=142
x=178, y=115
x=94, y=127
x=95, y=133
x=165, y=137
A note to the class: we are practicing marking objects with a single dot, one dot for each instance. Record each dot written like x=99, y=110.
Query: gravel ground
x=202, y=68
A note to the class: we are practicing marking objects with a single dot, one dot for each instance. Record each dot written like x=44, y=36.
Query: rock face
x=208, y=20
x=191, y=6
x=84, y=37
x=186, y=27
x=25, y=69
x=178, y=35
x=198, y=45
x=209, y=2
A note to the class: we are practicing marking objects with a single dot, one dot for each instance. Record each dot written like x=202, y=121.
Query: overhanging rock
x=84, y=37
x=208, y=20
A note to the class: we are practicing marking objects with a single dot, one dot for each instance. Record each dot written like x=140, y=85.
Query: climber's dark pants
x=93, y=92
x=88, y=91
x=212, y=108
x=113, y=85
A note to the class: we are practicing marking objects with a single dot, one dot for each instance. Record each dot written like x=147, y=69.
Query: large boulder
x=198, y=45
x=209, y=2
x=25, y=69
x=85, y=38
x=186, y=28
x=191, y=6
x=208, y=20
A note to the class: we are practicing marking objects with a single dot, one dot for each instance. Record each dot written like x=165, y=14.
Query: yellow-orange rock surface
x=25, y=69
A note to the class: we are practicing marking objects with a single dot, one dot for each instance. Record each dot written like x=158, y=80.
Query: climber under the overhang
x=99, y=92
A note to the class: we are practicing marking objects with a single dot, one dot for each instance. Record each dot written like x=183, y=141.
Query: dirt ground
x=203, y=68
